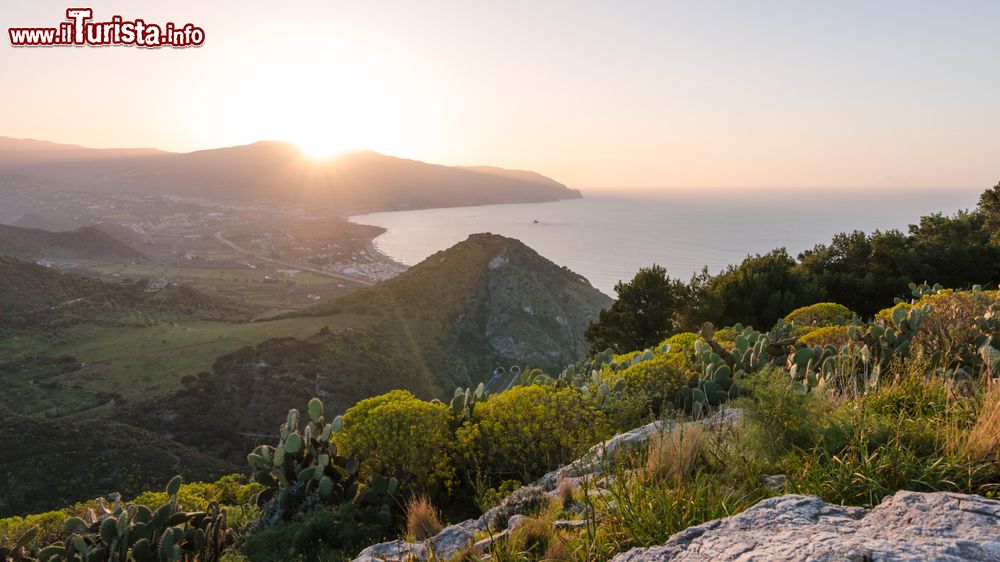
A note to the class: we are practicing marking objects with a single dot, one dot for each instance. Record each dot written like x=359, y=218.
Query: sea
x=608, y=235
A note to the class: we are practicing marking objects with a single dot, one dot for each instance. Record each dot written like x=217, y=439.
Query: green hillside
x=70, y=343
x=487, y=302
x=88, y=242
x=93, y=458
x=38, y=298
x=80, y=367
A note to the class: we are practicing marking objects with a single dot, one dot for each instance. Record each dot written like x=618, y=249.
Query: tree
x=989, y=206
x=761, y=290
x=645, y=313
x=861, y=271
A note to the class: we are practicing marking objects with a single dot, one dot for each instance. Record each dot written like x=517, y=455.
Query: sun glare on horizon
x=320, y=148
x=349, y=103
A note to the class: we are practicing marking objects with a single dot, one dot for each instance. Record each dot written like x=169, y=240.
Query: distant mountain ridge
x=19, y=152
x=271, y=171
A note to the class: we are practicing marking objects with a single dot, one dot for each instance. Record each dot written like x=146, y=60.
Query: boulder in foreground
x=907, y=526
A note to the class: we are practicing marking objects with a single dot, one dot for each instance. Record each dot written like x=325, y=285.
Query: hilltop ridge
x=274, y=171
x=449, y=321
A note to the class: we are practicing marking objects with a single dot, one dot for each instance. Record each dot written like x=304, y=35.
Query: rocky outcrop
x=907, y=526
x=394, y=550
x=616, y=448
x=530, y=499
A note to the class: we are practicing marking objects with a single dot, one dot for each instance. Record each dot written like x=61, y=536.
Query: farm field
x=125, y=363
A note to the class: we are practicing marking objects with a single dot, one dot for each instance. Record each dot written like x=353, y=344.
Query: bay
x=607, y=236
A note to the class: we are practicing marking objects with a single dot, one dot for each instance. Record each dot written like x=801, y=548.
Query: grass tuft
x=674, y=455
x=422, y=519
x=983, y=439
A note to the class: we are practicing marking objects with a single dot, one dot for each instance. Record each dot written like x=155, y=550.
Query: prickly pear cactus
x=303, y=470
x=135, y=533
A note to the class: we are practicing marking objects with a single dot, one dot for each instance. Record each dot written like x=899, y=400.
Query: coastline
x=381, y=255
x=606, y=239
x=377, y=253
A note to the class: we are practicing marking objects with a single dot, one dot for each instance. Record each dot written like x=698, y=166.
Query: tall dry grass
x=422, y=519
x=674, y=455
x=564, y=492
x=983, y=440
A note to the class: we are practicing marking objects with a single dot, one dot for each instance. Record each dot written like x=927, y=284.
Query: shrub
x=918, y=397
x=947, y=336
x=403, y=437
x=682, y=342
x=320, y=535
x=526, y=500
x=901, y=436
x=422, y=520
x=726, y=337
x=784, y=417
x=233, y=492
x=529, y=430
x=820, y=314
x=487, y=497
x=879, y=457
x=660, y=379
x=674, y=455
x=837, y=336
x=49, y=524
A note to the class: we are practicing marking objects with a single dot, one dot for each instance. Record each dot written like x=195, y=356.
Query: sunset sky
x=594, y=94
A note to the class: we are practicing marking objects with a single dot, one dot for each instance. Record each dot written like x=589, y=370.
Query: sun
x=320, y=148
x=348, y=102
x=345, y=122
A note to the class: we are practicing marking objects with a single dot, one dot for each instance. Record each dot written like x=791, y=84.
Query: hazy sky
x=595, y=94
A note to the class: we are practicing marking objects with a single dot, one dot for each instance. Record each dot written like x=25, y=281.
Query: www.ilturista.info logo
x=80, y=31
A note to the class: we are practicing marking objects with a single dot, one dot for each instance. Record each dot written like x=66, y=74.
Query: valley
x=161, y=314
x=228, y=249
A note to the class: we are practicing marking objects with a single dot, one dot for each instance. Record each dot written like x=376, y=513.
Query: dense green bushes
x=401, y=436
x=232, y=494
x=660, y=379
x=321, y=534
x=527, y=431
x=820, y=315
x=682, y=342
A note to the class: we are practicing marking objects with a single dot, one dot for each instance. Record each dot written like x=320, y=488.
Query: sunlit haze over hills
x=507, y=280
x=593, y=94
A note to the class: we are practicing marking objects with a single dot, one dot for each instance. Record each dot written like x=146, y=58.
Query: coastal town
x=274, y=254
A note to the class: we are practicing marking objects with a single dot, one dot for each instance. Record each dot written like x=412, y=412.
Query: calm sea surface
x=606, y=238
